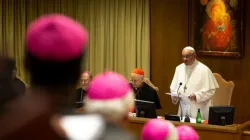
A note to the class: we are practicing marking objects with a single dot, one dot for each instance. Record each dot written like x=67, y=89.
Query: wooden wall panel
x=169, y=35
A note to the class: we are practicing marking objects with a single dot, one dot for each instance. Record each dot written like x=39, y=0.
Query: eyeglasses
x=187, y=56
x=84, y=80
x=134, y=81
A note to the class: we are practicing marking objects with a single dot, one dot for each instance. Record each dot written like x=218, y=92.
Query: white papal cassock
x=197, y=79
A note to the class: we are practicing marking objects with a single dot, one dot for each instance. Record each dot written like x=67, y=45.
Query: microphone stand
x=179, y=98
x=181, y=111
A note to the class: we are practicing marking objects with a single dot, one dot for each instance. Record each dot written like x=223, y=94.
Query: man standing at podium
x=195, y=83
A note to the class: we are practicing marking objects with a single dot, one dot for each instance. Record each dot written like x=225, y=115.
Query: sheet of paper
x=74, y=125
x=130, y=114
x=176, y=95
x=184, y=98
x=172, y=94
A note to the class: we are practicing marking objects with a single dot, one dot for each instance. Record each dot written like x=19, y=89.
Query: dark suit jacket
x=80, y=95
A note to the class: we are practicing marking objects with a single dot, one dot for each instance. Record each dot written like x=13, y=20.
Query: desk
x=245, y=128
x=205, y=131
x=246, y=135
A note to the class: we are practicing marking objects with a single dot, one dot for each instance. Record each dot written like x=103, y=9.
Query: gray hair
x=89, y=73
x=190, y=48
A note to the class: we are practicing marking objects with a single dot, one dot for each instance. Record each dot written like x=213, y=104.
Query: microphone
x=179, y=88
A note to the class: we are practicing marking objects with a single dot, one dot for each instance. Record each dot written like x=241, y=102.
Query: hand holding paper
x=174, y=97
x=192, y=97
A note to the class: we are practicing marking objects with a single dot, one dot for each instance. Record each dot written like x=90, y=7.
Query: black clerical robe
x=147, y=93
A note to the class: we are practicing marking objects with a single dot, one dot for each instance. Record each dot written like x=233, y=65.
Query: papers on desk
x=130, y=114
x=192, y=120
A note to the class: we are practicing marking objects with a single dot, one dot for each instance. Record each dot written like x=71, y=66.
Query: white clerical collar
x=191, y=66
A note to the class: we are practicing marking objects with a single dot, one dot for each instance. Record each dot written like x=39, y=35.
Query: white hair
x=115, y=109
x=190, y=48
x=173, y=134
x=137, y=75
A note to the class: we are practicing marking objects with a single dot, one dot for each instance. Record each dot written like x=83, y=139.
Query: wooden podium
x=205, y=131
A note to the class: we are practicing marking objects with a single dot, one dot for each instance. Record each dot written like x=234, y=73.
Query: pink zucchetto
x=186, y=133
x=110, y=95
x=157, y=129
x=56, y=37
x=108, y=85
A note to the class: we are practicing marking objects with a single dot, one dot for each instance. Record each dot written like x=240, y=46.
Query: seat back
x=224, y=93
x=26, y=85
x=147, y=81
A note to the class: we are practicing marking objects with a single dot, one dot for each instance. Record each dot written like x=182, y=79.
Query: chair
x=147, y=81
x=26, y=85
x=223, y=94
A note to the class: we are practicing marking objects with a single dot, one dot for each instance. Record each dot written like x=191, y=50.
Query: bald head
x=188, y=55
x=85, y=79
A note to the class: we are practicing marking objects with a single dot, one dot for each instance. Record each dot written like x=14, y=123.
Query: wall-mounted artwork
x=216, y=27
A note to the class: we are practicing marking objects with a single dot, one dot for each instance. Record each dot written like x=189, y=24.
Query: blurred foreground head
x=157, y=129
x=54, y=48
x=110, y=95
x=186, y=133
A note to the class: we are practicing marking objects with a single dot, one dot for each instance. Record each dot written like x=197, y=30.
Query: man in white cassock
x=195, y=84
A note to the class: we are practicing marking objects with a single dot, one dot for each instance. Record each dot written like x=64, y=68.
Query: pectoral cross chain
x=185, y=89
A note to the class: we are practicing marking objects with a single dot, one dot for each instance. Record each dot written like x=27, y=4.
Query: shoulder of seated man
x=149, y=87
x=19, y=79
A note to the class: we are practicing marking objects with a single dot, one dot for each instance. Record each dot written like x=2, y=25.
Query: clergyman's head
x=136, y=78
x=110, y=95
x=85, y=79
x=188, y=55
x=54, y=47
